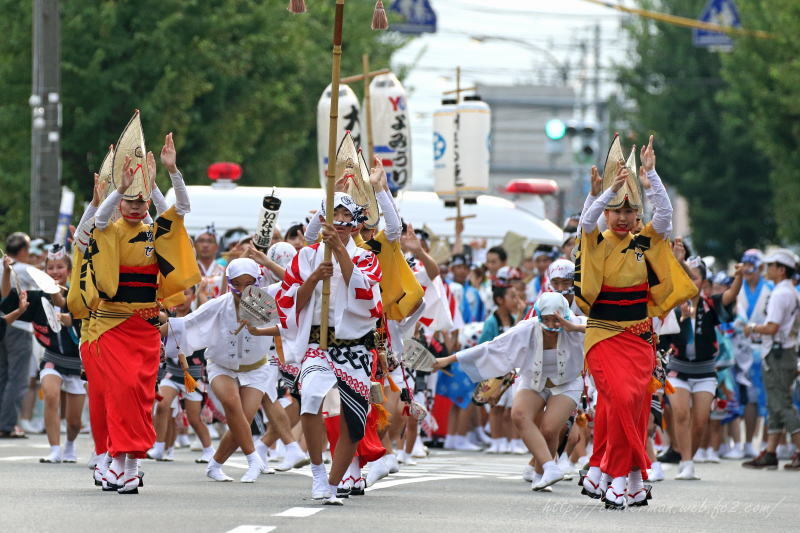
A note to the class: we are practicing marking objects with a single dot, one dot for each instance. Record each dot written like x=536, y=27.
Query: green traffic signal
x=555, y=129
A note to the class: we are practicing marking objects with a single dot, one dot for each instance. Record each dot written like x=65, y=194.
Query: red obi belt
x=137, y=284
x=621, y=304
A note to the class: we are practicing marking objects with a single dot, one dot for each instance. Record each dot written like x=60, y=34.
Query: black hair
x=703, y=270
x=790, y=272
x=500, y=251
x=294, y=231
x=16, y=242
x=498, y=292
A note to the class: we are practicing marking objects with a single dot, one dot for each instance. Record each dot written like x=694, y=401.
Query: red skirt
x=369, y=448
x=97, y=400
x=621, y=367
x=127, y=357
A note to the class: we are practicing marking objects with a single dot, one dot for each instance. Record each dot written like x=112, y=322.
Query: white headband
x=282, y=254
x=241, y=266
x=561, y=269
x=550, y=303
x=341, y=199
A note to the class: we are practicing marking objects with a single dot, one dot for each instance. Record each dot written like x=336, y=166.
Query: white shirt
x=782, y=309
x=522, y=347
x=211, y=327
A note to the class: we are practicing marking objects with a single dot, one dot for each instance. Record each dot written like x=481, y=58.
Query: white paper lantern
x=349, y=120
x=443, y=171
x=474, y=146
x=392, y=137
x=461, y=153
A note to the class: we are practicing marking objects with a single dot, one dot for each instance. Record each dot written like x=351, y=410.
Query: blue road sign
x=723, y=13
x=419, y=16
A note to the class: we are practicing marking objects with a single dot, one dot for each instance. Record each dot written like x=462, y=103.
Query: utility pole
x=45, y=102
x=596, y=81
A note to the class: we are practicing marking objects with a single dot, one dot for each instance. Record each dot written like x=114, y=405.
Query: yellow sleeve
x=177, y=263
x=669, y=284
x=401, y=293
x=80, y=300
x=104, y=258
x=589, y=261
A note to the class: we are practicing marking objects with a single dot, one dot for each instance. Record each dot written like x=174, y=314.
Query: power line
x=532, y=13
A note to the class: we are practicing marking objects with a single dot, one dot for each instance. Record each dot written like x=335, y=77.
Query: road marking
x=396, y=482
x=251, y=529
x=299, y=512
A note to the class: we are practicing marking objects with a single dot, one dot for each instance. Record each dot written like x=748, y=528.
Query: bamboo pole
x=459, y=91
x=336, y=63
x=368, y=105
x=359, y=77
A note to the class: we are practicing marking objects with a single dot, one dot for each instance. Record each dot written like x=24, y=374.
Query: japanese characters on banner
x=349, y=120
x=392, y=135
x=461, y=148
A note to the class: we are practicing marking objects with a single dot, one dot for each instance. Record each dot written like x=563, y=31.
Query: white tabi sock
x=262, y=450
x=253, y=459
x=594, y=474
x=158, y=448
x=550, y=465
x=293, y=447
x=116, y=469
x=102, y=464
x=69, y=447
x=618, y=484
x=318, y=471
x=635, y=482
x=131, y=469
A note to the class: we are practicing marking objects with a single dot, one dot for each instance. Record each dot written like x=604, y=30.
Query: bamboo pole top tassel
x=379, y=19
x=297, y=6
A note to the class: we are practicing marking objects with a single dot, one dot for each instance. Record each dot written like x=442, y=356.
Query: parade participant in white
x=355, y=306
x=285, y=413
x=236, y=365
x=549, y=350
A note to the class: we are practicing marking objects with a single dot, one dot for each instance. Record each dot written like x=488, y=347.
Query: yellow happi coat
x=130, y=267
x=606, y=263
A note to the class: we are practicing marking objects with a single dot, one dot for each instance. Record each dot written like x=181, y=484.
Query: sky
x=483, y=38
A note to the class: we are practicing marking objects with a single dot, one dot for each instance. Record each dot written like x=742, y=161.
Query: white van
x=228, y=206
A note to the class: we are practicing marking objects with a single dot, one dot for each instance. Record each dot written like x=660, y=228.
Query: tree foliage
x=763, y=78
x=705, y=148
x=235, y=80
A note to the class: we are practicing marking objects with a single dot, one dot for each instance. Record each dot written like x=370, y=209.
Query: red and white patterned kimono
x=354, y=310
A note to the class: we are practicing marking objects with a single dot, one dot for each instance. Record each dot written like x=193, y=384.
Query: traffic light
x=555, y=129
x=584, y=143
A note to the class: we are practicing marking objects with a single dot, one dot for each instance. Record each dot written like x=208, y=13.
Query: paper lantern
x=461, y=152
x=392, y=136
x=443, y=171
x=349, y=120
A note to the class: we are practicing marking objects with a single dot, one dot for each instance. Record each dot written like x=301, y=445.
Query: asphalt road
x=447, y=492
